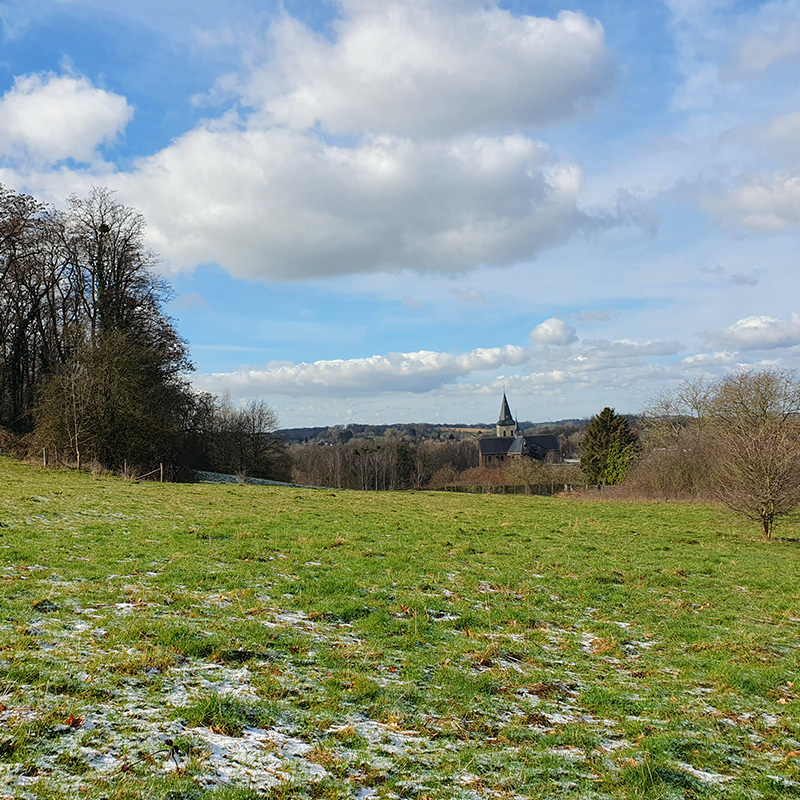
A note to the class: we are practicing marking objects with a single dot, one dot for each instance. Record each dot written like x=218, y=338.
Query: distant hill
x=418, y=431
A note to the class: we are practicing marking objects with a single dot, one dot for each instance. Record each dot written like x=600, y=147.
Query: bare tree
x=32, y=284
x=241, y=440
x=738, y=437
x=64, y=419
x=758, y=428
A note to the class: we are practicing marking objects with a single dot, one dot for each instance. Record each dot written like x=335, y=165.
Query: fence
x=545, y=489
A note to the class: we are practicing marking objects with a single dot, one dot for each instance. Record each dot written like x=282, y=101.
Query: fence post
x=161, y=471
x=44, y=457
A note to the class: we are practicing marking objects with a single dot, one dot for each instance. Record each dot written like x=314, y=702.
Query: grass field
x=232, y=642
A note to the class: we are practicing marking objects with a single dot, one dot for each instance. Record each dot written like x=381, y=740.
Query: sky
x=390, y=210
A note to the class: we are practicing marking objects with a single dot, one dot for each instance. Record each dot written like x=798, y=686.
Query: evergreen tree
x=608, y=448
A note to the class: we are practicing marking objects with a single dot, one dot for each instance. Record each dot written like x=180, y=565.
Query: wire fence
x=544, y=489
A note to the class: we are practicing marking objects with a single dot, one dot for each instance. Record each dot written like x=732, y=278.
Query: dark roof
x=532, y=445
x=505, y=413
x=495, y=445
x=543, y=441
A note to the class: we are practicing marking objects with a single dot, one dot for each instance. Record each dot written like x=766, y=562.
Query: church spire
x=506, y=425
x=505, y=412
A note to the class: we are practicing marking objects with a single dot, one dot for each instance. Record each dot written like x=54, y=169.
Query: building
x=509, y=443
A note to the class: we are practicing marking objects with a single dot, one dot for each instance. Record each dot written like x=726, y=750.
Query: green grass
x=299, y=644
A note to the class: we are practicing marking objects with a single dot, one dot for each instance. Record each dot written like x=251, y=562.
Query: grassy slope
x=321, y=644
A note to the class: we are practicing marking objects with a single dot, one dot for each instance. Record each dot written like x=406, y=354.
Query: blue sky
x=387, y=210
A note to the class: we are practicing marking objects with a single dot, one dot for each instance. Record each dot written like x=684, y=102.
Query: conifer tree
x=608, y=448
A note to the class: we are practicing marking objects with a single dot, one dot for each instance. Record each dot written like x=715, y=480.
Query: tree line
x=92, y=369
x=389, y=463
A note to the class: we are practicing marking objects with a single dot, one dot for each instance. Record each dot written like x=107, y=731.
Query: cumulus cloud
x=48, y=118
x=553, y=332
x=433, y=174
x=281, y=204
x=417, y=372
x=757, y=333
x=431, y=67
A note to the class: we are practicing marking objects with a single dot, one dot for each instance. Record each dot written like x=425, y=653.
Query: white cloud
x=757, y=333
x=711, y=360
x=624, y=373
x=417, y=372
x=431, y=67
x=285, y=205
x=266, y=193
x=49, y=118
x=424, y=371
x=761, y=204
x=603, y=349
x=553, y=332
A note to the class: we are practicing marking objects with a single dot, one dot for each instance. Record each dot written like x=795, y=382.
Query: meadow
x=224, y=642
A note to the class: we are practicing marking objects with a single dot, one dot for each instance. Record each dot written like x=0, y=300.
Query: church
x=509, y=443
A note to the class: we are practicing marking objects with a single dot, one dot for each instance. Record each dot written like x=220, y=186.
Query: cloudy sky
x=386, y=210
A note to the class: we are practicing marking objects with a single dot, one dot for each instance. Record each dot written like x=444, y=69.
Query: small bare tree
x=760, y=475
x=756, y=418
x=63, y=412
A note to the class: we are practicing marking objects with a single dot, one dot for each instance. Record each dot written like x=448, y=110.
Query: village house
x=509, y=443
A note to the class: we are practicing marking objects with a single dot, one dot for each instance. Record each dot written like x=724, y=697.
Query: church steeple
x=506, y=426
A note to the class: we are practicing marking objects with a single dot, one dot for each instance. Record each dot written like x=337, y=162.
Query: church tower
x=506, y=425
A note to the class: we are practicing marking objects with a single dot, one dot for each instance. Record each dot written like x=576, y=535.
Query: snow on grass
x=178, y=643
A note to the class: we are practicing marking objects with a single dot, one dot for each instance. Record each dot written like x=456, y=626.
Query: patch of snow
x=289, y=745
x=442, y=616
x=785, y=782
x=245, y=758
x=571, y=753
x=632, y=645
x=711, y=778
x=610, y=745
